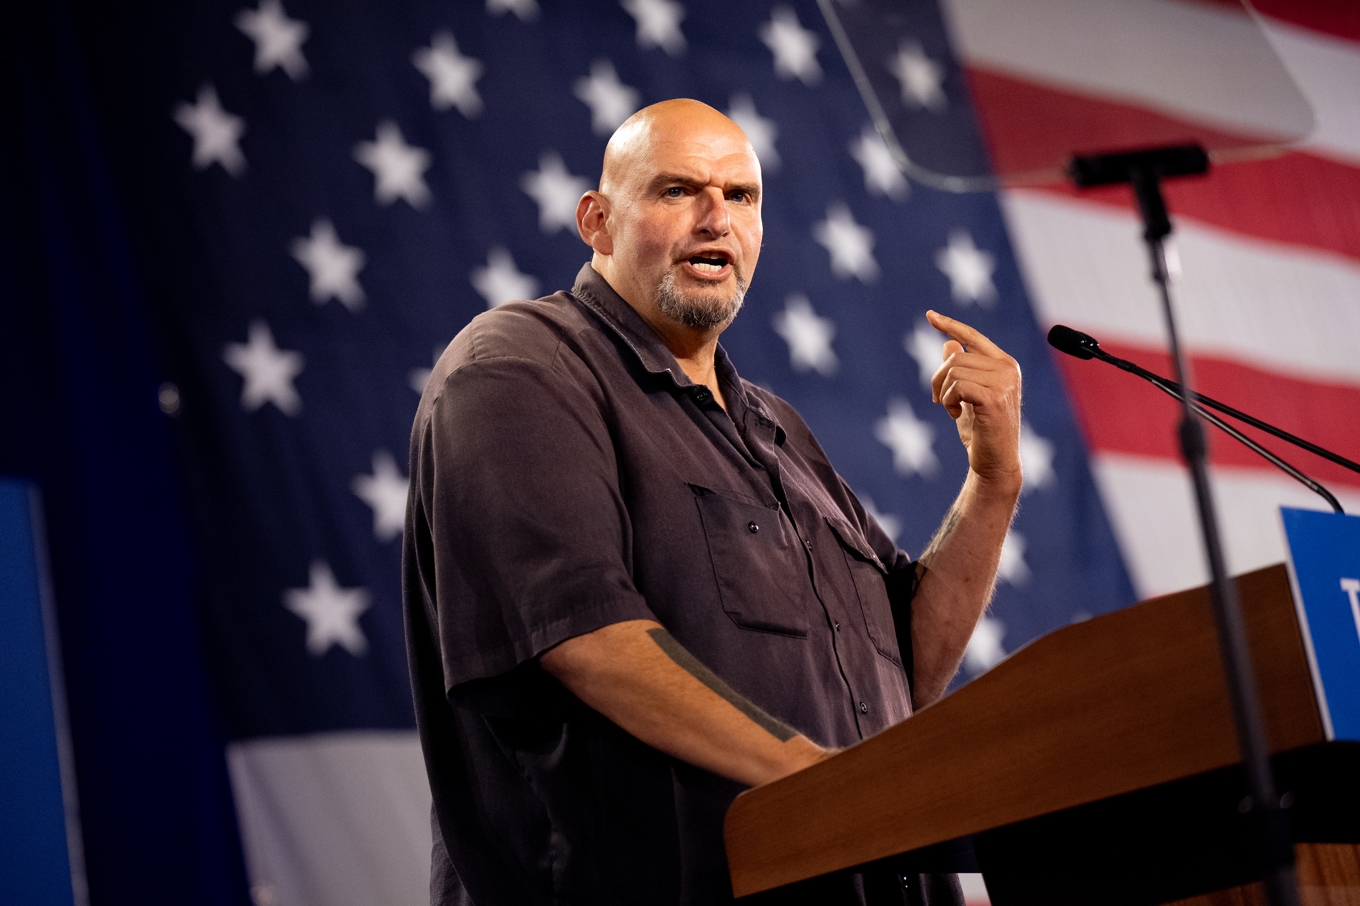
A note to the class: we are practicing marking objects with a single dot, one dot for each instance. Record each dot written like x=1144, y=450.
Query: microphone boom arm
x=1084, y=346
x=1175, y=389
x=1167, y=386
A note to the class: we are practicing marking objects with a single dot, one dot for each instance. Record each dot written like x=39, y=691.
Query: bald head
x=675, y=225
x=661, y=125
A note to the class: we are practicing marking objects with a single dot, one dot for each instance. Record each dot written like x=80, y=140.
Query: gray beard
x=698, y=311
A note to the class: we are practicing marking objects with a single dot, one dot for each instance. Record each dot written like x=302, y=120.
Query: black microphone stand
x=1144, y=171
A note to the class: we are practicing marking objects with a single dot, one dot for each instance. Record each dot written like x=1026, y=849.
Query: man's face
x=685, y=222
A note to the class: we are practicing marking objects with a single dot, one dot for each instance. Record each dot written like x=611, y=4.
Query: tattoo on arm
x=690, y=664
x=951, y=522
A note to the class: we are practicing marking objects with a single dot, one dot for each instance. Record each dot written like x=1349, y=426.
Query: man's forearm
x=640, y=677
x=959, y=577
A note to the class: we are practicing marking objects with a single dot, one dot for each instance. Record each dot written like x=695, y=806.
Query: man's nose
x=713, y=218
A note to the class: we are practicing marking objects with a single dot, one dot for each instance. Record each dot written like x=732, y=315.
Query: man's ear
x=592, y=222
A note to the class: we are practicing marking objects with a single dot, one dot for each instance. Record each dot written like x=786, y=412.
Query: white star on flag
x=809, y=336
x=331, y=612
x=610, y=101
x=332, y=266
x=850, y=244
x=969, y=270
x=925, y=344
x=385, y=491
x=921, y=77
x=398, y=168
x=909, y=438
x=889, y=522
x=268, y=371
x=761, y=131
x=453, y=77
x=984, y=649
x=794, y=47
x=1013, y=568
x=216, y=133
x=881, y=175
x=1036, y=459
x=278, y=39
x=556, y=192
x=500, y=281
x=417, y=378
x=525, y=10
x=658, y=24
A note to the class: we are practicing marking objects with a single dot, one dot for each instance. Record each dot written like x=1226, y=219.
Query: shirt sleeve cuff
x=538, y=639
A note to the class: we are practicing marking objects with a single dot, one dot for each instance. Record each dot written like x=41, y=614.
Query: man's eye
x=738, y=196
x=674, y=192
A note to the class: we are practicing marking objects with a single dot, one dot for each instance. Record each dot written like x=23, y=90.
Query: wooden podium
x=1097, y=765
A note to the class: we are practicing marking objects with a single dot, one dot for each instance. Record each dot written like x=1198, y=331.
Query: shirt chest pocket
x=758, y=564
x=868, y=574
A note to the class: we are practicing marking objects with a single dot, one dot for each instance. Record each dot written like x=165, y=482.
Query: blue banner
x=1324, y=553
x=36, y=858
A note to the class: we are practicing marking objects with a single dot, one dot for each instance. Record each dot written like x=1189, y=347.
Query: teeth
x=707, y=267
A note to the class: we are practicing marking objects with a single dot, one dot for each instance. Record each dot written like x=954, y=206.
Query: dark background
x=78, y=392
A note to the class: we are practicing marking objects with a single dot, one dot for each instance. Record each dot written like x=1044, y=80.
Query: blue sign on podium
x=1324, y=554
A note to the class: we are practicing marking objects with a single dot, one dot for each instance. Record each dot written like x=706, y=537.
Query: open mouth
x=708, y=263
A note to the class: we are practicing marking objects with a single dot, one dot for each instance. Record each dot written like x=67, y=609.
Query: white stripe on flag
x=1206, y=63
x=1274, y=306
x=1327, y=68
x=1151, y=510
x=334, y=819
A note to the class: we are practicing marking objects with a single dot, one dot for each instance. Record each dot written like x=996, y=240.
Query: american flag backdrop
x=1269, y=289
x=330, y=191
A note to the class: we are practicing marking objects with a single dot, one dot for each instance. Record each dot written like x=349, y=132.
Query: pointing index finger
x=972, y=339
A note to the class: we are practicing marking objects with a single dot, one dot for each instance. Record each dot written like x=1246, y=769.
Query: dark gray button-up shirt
x=565, y=475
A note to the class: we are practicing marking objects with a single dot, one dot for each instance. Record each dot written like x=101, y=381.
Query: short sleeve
x=516, y=483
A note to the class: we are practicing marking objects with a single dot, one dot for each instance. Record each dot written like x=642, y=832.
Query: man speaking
x=635, y=585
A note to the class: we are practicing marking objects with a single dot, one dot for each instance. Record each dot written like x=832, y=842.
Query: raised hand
x=979, y=386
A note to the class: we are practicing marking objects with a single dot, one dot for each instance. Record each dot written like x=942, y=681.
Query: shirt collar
x=623, y=320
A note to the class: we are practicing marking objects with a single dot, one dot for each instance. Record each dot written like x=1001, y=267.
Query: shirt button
x=837, y=624
x=753, y=527
x=807, y=544
x=701, y=395
x=863, y=708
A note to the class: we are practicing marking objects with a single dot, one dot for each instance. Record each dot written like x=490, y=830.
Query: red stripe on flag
x=1120, y=413
x=1339, y=18
x=1277, y=200
x=1029, y=126
x=1259, y=198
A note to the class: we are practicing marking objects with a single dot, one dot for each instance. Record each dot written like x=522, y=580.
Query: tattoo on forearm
x=690, y=664
x=951, y=522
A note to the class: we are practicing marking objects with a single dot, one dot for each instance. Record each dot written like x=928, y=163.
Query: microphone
x=1084, y=346
x=1073, y=342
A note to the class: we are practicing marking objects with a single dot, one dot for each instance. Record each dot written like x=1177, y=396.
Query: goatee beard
x=699, y=310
